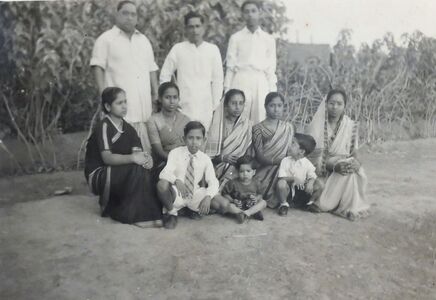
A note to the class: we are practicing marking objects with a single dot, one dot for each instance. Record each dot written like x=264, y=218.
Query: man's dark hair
x=192, y=15
x=124, y=2
x=254, y=2
x=194, y=125
x=306, y=142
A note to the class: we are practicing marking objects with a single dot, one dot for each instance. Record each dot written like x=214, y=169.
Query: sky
x=320, y=21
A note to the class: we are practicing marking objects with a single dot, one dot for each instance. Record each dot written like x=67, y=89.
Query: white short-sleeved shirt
x=302, y=170
x=127, y=64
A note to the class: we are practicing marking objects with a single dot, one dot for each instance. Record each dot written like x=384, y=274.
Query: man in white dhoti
x=251, y=62
x=199, y=72
x=123, y=57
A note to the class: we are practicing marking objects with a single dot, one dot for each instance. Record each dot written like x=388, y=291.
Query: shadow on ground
x=59, y=248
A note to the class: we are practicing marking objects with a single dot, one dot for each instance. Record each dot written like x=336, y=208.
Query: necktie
x=189, y=178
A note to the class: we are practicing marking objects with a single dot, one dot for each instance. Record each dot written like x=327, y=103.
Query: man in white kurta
x=123, y=57
x=199, y=72
x=251, y=63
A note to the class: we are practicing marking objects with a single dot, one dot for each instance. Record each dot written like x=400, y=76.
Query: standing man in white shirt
x=199, y=72
x=123, y=57
x=251, y=62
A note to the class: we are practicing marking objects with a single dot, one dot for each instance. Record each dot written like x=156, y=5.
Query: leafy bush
x=47, y=85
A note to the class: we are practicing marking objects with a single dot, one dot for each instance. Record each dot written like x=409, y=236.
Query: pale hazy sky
x=321, y=20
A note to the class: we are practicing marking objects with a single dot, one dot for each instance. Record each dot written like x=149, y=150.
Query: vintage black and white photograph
x=218, y=149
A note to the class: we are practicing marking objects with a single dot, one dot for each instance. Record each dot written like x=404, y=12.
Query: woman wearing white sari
x=336, y=159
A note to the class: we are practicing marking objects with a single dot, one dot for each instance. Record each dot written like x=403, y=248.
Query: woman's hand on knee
x=354, y=165
x=342, y=168
x=149, y=161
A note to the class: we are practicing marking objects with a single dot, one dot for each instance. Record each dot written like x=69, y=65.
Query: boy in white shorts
x=180, y=183
x=298, y=183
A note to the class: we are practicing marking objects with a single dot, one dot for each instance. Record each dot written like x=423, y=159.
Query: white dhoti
x=196, y=102
x=255, y=86
x=141, y=130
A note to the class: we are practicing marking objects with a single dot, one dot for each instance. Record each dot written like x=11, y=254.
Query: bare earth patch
x=59, y=248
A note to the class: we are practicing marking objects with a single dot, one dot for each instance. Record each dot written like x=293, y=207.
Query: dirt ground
x=59, y=248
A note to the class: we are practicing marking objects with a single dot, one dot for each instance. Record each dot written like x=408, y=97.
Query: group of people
x=201, y=152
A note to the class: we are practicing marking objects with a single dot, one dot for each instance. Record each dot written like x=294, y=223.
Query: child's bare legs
x=223, y=205
x=318, y=187
x=167, y=196
x=255, y=208
x=283, y=191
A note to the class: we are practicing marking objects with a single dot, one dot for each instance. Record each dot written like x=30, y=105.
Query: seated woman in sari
x=229, y=135
x=165, y=128
x=117, y=169
x=271, y=139
x=336, y=159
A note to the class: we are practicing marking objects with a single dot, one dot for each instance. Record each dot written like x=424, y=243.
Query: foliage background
x=47, y=86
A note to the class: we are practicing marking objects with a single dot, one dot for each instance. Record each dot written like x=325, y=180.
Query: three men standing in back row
x=123, y=57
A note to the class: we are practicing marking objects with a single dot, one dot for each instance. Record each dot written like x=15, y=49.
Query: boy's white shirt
x=302, y=170
x=177, y=165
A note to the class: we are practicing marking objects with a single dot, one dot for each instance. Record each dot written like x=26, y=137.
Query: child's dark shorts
x=300, y=199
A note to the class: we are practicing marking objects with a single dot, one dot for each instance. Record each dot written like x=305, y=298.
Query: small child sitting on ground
x=244, y=192
x=298, y=182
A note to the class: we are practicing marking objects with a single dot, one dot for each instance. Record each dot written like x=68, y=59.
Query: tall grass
x=391, y=87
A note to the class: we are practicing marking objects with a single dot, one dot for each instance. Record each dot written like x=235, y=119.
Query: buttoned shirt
x=199, y=76
x=251, y=51
x=177, y=166
x=127, y=63
x=301, y=170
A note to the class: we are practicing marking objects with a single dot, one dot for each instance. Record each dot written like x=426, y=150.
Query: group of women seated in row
x=234, y=167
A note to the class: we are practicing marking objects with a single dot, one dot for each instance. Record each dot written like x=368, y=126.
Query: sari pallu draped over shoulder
x=343, y=194
x=273, y=148
x=236, y=143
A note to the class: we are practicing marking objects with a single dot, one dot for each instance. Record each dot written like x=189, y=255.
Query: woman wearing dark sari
x=165, y=128
x=336, y=159
x=117, y=169
x=229, y=135
x=271, y=139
